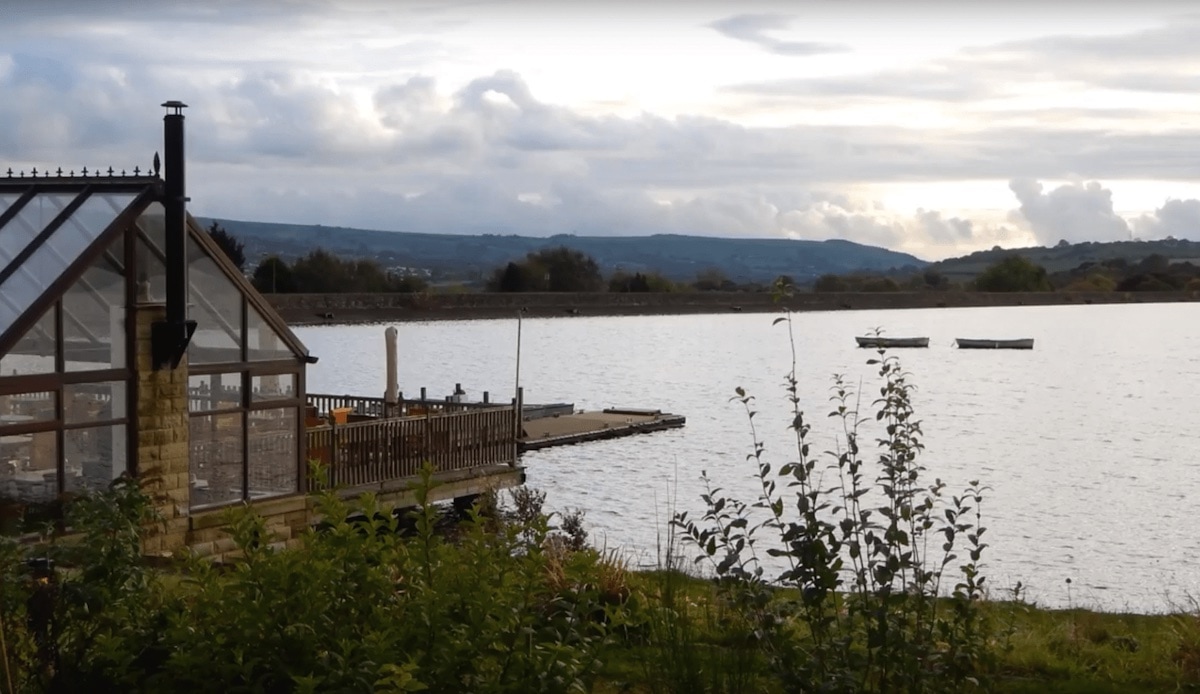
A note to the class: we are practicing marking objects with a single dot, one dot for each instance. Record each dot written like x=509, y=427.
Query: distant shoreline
x=345, y=309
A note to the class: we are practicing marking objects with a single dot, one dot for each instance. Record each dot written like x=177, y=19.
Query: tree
x=880, y=284
x=830, y=283
x=320, y=272
x=273, y=276
x=234, y=249
x=711, y=280
x=558, y=269
x=1013, y=274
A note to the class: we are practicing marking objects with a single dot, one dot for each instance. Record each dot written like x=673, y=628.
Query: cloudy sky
x=936, y=128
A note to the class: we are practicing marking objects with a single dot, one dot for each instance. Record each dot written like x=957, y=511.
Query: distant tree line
x=321, y=272
x=1016, y=273
x=562, y=269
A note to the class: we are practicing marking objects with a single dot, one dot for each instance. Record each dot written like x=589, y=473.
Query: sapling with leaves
x=863, y=543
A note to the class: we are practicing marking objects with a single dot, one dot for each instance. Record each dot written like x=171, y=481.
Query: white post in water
x=518, y=415
x=390, y=393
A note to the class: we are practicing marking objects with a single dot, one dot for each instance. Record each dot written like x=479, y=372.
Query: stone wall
x=161, y=454
x=349, y=308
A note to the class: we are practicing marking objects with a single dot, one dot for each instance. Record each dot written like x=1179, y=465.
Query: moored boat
x=967, y=343
x=876, y=341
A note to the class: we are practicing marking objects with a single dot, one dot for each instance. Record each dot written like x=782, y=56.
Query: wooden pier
x=566, y=429
x=367, y=444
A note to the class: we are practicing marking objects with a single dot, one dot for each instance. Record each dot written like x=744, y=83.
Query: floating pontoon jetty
x=577, y=427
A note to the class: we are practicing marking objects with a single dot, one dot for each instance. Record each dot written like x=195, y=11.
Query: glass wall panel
x=151, y=237
x=262, y=342
x=34, y=352
x=215, y=303
x=273, y=463
x=273, y=387
x=216, y=459
x=29, y=467
x=93, y=457
x=94, y=315
x=85, y=403
x=24, y=408
x=214, y=392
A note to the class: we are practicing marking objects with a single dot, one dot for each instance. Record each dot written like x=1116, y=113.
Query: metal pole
x=518, y=408
x=517, y=384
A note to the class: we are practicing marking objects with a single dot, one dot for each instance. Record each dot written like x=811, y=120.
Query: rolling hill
x=453, y=256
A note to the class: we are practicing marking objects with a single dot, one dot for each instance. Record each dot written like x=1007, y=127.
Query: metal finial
x=22, y=173
x=122, y=172
x=157, y=164
x=34, y=172
x=58, y=172
x=85, y=171
x=10, y=172
x=137, y=170
x=72, y=173
x=110, y=171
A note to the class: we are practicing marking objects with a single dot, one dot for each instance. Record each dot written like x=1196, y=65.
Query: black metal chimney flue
x=171, y=336
x=176, y=213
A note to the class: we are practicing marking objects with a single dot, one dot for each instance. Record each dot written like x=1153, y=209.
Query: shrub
x=501, y=607
x=861, y=604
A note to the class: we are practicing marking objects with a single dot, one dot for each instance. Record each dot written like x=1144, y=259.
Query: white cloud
x=1176, y=218
x=1074, y=212
x=379, y=114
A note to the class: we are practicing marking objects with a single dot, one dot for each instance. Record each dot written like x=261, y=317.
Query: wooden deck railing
x=380, y=450
x=375, y=407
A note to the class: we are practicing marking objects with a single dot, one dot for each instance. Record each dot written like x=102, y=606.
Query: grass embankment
x=1032, y=649
x=500, y=605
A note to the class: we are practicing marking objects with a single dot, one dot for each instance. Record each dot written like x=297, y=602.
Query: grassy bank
x=514, y=602
x=1030, y=649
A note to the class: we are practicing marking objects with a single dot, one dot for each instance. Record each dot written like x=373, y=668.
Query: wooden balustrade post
x=333, y=452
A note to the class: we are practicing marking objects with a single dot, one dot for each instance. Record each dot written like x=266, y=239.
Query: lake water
x=1089, y=443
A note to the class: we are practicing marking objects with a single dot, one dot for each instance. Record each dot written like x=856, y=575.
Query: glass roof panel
x=215, y=303
x=63, y=247
x=29, y=222
x=6, y=201
x=262, y=342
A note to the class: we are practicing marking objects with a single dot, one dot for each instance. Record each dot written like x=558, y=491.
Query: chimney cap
x=177, y=105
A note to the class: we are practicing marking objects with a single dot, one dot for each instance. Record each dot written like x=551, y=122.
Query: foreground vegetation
x=874, y=583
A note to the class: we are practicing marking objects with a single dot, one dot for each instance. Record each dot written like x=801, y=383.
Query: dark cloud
x=1074, y=212
x=757, y=28
x=1156, y=60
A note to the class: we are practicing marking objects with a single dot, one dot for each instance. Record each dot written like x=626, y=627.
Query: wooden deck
x=368, y=450
x=569, y=429
x=371, y=445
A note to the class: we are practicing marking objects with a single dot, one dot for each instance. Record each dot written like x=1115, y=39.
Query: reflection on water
x=1087, y=442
